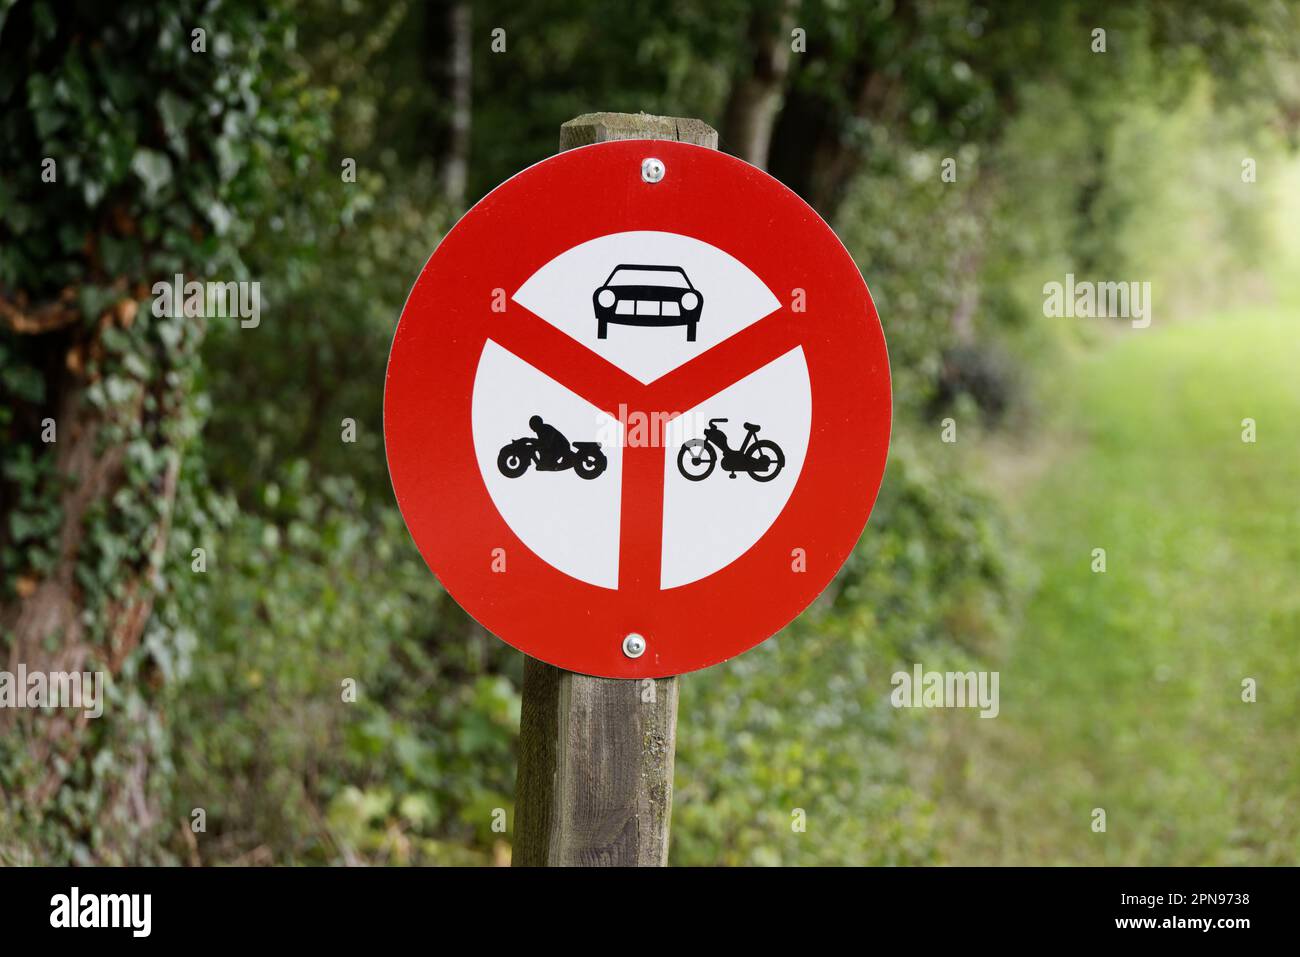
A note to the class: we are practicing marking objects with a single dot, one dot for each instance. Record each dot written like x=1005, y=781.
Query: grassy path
x=1123, y=690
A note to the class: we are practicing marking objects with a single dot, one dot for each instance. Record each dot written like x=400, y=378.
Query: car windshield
x=673, y=278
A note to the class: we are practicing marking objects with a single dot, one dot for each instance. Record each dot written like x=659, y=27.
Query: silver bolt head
x=634, y=646
x=652, y=170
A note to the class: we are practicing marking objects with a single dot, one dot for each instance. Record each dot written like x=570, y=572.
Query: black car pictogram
x=638, y=295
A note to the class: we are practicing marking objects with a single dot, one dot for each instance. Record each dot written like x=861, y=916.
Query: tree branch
x=44, y=318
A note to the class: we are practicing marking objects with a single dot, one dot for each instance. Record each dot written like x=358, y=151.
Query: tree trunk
x=818, y=144
x=816, y=155
x=455, y=162
x=78, y=599
x=756, y=91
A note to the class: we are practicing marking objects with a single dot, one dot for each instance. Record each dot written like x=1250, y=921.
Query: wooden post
x=595, y=780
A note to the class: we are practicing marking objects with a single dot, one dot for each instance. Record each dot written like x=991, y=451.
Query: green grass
x=1123, y=690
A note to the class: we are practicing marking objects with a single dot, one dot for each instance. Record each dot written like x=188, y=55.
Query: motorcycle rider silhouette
x=550, y=452
x=551, y=443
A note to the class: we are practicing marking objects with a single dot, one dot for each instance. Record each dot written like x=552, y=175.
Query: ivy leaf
x=176, y=114
x=24, y=383
x=153, y=168
x=40, y=98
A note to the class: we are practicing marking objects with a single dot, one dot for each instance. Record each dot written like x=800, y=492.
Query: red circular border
x=515, y=230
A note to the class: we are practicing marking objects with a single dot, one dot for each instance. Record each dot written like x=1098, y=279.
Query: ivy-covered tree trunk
x=137, y=141
x=89, y=493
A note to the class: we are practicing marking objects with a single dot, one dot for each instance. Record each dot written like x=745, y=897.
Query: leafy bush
x=804, y=720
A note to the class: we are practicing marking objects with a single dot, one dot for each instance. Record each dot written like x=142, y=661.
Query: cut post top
x=603, y=127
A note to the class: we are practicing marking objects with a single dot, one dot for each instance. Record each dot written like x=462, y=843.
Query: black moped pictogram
x=550, y=451
x=761, y=458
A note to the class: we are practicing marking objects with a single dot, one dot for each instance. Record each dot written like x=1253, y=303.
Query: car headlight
x=606, y=297
x=689, y=301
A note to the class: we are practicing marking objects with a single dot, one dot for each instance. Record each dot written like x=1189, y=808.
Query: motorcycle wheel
x=767, y=459
x=696, y=460
x=512, y=461
x=590, y=464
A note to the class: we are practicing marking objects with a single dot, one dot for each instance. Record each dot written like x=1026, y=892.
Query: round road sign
x=637, y=408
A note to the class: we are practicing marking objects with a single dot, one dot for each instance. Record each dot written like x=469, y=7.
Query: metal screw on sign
x=634, y=646
x=652, y=170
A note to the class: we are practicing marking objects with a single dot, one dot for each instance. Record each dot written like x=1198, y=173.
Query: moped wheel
x=513, y=461
x=590, y=464
x=696, y=460
x=767, y=459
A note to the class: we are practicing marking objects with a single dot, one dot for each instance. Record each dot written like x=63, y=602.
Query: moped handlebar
x=714, y=422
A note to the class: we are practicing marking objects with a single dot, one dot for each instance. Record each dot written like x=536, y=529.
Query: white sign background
x=572, y=523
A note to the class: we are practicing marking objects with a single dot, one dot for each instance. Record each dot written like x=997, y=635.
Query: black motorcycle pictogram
x=761, y=458
x=549, y=451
